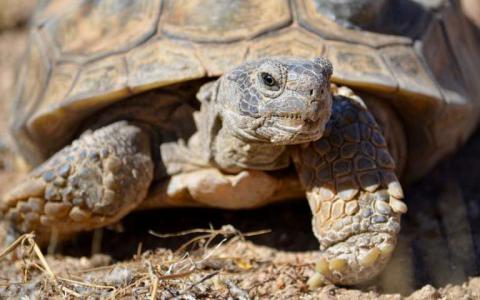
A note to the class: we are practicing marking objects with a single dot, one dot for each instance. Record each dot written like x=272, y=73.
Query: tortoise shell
x=86, y=55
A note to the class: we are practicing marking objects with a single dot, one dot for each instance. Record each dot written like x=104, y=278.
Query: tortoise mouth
x=288, y=130
x=279, y=129
x=296, y=125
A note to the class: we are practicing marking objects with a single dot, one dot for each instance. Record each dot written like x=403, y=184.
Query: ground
x=265, y=253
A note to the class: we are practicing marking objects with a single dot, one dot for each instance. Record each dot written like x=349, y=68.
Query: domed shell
x=86, y=55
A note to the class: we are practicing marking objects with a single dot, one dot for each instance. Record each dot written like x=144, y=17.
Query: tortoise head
x=282, y=101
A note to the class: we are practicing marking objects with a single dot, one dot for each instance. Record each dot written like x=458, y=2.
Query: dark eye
x=268, y=79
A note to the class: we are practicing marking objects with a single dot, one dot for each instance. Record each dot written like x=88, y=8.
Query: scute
x=61, y=81
x=311, y=18
x=419, y=102
x=360, y=66
x=223, y=20
x=75, y=92
x=162, y=62
x=289, y=42
x=33, y=78
x=97, y=28
x=103, y=80
x=409, y=72
x=97, y=85
x=218, y=58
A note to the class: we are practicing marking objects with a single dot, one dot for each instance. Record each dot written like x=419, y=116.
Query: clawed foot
x=354, y=194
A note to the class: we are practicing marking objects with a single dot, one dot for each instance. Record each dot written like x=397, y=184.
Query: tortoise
x=123, y=105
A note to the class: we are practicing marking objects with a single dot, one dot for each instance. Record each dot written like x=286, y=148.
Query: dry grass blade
x=153, y=295
x=176, y=275
x=153, y=279
x=188, y=264
x=96, y=269
x=20, y=240
x=181, y=233
x=203, y=279
x=210, y=253
x=227, y=231
x=126, y=288
x=42, y=259
x=96, y=286
x=25, y=239
x=71, y=292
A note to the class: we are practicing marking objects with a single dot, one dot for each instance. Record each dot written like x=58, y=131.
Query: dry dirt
x=229, y=269
x=130, y=263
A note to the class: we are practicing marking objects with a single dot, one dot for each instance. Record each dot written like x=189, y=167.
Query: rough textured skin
x=88, y=57
x=353, y=193
x=93, y=182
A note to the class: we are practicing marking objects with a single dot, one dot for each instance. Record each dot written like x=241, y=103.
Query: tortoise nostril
x=311, y=92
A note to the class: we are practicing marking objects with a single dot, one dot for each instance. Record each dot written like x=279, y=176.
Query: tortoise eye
x=268, y=79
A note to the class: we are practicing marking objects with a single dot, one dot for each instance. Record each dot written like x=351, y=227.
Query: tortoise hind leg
x=95, y=181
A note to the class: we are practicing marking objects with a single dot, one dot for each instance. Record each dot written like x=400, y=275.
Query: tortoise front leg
x=93, y=182
x=355, y=197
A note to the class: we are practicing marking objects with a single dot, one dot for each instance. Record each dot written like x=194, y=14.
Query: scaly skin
x=353, y=193
x=93, y=182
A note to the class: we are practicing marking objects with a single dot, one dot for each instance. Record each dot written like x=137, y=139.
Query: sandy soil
x=128, y=262
x=234, y=270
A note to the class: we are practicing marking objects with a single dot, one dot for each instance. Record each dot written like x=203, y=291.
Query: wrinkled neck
x=232, y=154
